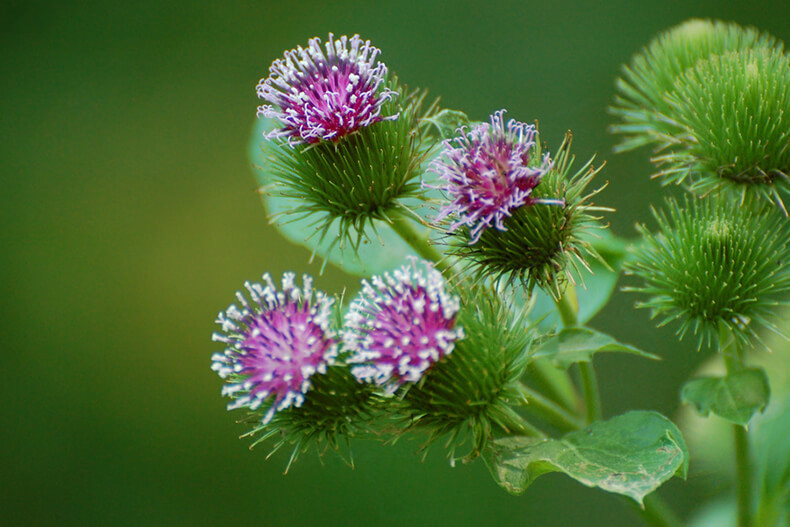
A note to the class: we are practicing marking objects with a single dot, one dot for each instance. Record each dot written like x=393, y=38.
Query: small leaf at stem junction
x=736, y=397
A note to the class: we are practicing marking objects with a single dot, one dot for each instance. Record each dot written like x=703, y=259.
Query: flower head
x=275, y=342
x=400, y=325
x=320, y=96
x=467, y=398
x=734, y=111
x=714, y=265
x=489, y=172
x=641, y=102
x=498, y=176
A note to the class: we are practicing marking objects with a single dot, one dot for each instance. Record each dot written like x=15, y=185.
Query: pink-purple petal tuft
x=324, y=94
x=400, y=325
x=276, y=340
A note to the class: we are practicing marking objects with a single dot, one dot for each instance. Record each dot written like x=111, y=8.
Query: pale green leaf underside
x=447, y=122
x=736, y=397
x=631, y=454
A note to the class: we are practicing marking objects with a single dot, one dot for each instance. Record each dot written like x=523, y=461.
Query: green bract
x=543, y=244
x=359, y=178
x=734, y=111
x=336, y=408
x=468, y=395
x=714, y=264
x=641, y=103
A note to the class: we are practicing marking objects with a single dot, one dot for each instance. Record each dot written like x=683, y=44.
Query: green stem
x=417, y=241
x=550, y=411
x=656, y=512
x=743, y=466
x=592, y=398
x=567, y=307
x=556, y=384
x=744, y=476
x=517, y=424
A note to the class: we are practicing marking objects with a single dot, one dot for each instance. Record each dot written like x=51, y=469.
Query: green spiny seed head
x=468, y=394
x=542, y=242
x=713, y=265
x=336, y=408
x=734, y=110
x=645, y=82
x=360, y=177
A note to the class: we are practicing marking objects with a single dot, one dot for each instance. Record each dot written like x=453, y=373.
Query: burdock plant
x=469, y=330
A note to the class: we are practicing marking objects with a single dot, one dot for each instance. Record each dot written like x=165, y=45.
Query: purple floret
x=400, y=325
x=275, y=342
x=489, y=172
x=320, y=96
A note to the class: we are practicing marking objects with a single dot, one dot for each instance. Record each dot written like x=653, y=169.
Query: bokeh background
x=128, y=218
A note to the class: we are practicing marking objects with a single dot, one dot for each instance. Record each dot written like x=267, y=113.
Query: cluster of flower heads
x=489, y=172
x=275, y=342
x=400, y=325
x=320, y=96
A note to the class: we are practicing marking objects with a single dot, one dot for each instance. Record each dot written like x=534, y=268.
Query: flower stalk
x=421, y=244
x=743, y=466
x=568, y=309
x=551, y=412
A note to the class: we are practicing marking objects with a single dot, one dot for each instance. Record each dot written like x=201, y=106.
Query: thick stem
x=743, y=465
x=656, y=512
x=550, y=411
x=744, y=476
x=568, y=307
x=417, y=241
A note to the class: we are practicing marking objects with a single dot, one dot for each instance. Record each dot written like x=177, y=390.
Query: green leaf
x=379, y=250
x=447, y=122
x=735, y=397
x=597, y=285
x=631, y=454
x=579, y=344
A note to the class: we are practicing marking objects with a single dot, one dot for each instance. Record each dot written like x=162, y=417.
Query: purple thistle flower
x=401, y=324
x=324, y=96
x=275, y=343
x=488, y=173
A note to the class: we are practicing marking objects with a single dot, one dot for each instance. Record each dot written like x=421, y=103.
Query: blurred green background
x=129, y=218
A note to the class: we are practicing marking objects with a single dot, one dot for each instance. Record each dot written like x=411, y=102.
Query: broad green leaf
x=579, y=344
x=447, y=122
x=735, y=397
x=380, y=249
x=596, y=287
x=631, y=454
